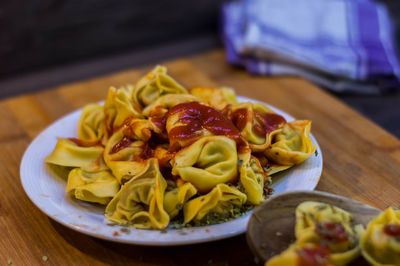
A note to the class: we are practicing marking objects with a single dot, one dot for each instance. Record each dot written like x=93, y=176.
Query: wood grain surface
x=361, y=161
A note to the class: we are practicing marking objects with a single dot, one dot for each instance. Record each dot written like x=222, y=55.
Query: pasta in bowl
x=203, y=167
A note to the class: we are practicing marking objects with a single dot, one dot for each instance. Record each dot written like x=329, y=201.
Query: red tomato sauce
x=123, y=143
x=331, y=232
x=316, y=256
x=266, y=122
x=392, y=230
x=195, y=117
x=158, y=118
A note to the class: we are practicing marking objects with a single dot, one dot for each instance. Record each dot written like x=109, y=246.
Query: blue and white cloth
x=342, y=45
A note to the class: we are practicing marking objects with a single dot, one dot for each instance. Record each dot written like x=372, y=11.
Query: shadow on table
x=232, y=251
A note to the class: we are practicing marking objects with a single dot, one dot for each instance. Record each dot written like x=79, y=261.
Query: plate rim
x=175, y=242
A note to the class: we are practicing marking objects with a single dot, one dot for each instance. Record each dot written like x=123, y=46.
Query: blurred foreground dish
x=326, y=235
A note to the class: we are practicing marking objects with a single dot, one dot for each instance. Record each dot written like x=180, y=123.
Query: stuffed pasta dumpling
x=157, y=111
x=154, y=85
x=255, y=121
x=91, y=126
x=127, y=149
x=329, y=227
x=252, y=178
x=380, y=244
x=324, y=237
x=302, y=255
x=188, y=122
x=118, y=108
x=168, y=101
x=218, y=98
x=176, y=198
x=139, y=203
x=69, y=153
x=291, y=144
x=207, y=162
x=99, y=187
x=220, y=201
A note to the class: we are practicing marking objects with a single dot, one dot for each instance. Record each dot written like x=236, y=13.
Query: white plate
x=46, y=188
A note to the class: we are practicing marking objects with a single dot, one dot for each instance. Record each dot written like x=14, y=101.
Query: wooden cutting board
x=361, y=161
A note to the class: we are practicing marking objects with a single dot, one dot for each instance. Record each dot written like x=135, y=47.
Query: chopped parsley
x=212, y=217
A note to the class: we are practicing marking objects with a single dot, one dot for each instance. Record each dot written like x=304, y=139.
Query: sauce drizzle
x=158, y=117
x=263, y=123
x=316, y=256
x=123, y=143
x=268, y=122
x=392, y=230
x=331, y=232
x=196, y=117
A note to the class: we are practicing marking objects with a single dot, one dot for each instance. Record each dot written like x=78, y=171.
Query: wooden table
x=361, y=161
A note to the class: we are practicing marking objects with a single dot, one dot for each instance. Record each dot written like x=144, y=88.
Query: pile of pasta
x=325, y=235
x=155, y=152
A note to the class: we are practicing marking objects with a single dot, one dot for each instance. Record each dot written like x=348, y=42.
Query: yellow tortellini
x=91, y=125
x=310, y=213
x=255, y=121
x=99, y=187
x=177, y=197
x=154, y=85
x=307, y=254
x=380, y=243
x=68, y=153
x=329, y=226
x=176, y=120
x=221, y=200
x=252, y=178
x=274, y=168
x=291, y=144
x=324, y=234
x=168, y=101
x=154, y=152
x=158, y=110
x=218, y=98
x=207, y=162
x=124, y=156
x=118, y=108
x=139, y=203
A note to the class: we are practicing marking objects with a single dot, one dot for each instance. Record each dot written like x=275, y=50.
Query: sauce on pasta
x=266, y=122
x=239, y=118
x=123, y=143
x=316, y=256
x=392, y=230
x=195, y=117
x=331, y=232
x=158, y=117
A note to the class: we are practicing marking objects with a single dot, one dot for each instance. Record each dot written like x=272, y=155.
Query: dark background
x=44, y=43
x=42, y=33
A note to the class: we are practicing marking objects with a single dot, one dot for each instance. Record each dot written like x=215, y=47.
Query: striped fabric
x=343, y=45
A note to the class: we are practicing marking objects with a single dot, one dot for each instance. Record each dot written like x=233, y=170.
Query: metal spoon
x=271, y=227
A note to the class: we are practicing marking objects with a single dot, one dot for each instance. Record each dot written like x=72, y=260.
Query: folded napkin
x=342, y=45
